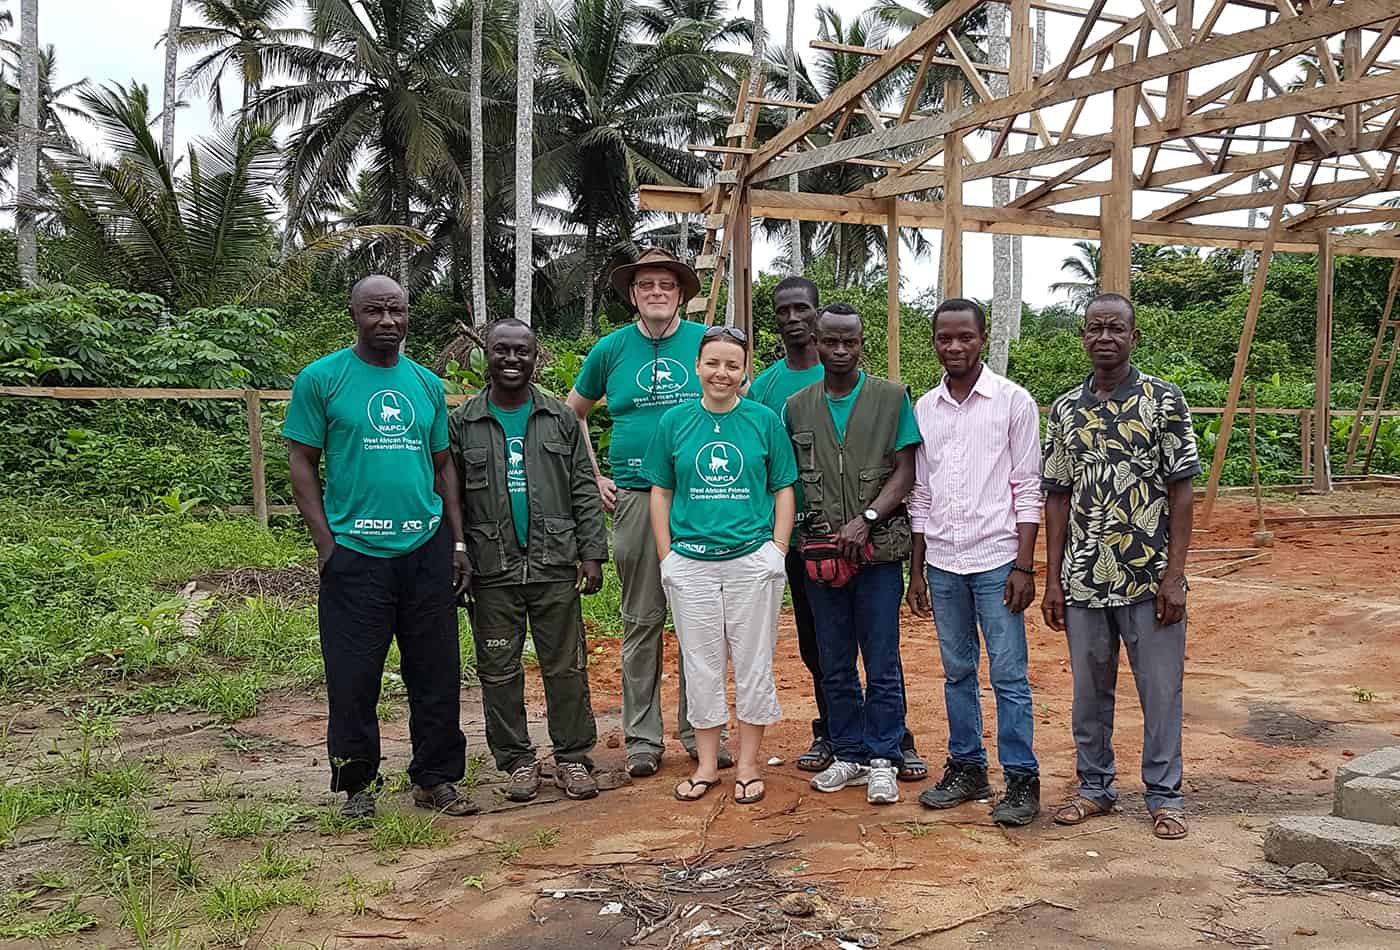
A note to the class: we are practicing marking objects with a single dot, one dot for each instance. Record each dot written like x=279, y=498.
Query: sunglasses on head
x=734, y=333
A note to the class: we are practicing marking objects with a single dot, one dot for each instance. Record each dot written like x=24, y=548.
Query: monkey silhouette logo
x=516, y=451
x=515, y=464
x=719, y=464
x=390, y=412
x=662, y=376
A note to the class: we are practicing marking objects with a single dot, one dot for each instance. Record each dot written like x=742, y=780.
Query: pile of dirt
x=286, y=585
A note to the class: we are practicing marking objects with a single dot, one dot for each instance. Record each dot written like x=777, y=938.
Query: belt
x=635, y=491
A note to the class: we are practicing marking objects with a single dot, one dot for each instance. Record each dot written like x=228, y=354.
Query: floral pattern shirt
x=1115, y=457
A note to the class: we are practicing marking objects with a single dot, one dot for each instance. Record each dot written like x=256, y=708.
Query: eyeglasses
x=647, y=286
x=734, y=333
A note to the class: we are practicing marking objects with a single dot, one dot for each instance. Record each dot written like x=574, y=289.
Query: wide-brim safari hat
x=688, y=280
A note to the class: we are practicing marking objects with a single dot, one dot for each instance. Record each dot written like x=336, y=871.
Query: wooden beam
x=917, y=86
x=878, y=51
x=1169, y=212
x=1326, y=22
x=253, y=408
x=1322, y=372
x=1177, y=82
x=952, y=237
x=1022, y=52
x=1351, y=64
x=1251, y=318
x=1159, y=23
x=1031, y=197
x=1116, y=247
x=892, y=291
x=1080, y=38
x=1357, y=219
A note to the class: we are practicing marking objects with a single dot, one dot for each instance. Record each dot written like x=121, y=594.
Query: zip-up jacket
x=566, y=512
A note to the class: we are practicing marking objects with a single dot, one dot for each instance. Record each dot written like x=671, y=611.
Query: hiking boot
x=960, y=783
x=524, y=782
x=1021, y=803
x=573, y=780
x=881, y=787
x=839, y=774
x=642, y=764
x=359, y=805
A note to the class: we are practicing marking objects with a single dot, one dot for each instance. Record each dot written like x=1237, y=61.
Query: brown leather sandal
x=1168, y=824
x=444, y=799
x=1078, y=810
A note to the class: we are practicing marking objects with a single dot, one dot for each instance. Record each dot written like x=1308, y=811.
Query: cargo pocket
x=804, y=447
x=475, y=463
x=812, y=497
x=871, y=481
x=560, y=546
x=484, y=545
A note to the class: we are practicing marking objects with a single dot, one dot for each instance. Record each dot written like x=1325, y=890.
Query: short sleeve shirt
x=1115, y=458
x=723, y=481
x=772, y=387
x=377, y=428
x=641, y=378
x=906, y=435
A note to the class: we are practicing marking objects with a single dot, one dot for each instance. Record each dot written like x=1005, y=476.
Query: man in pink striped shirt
x=975, y=512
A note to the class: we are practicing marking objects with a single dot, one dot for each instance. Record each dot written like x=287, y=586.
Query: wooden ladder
x=1368, y=409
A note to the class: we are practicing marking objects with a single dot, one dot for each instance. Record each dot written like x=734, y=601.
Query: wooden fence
x=254, y=398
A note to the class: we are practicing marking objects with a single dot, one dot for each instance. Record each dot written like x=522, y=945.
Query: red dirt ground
x=1274, y=651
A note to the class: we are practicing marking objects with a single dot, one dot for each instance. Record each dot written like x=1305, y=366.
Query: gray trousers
x=643, y=619
x=1157, y=655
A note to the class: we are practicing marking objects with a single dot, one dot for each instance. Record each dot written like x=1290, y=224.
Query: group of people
x=815, y=477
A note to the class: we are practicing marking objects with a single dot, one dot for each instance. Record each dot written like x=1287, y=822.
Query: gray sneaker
x=839, y=774
x=524, y=782
x=882, y=787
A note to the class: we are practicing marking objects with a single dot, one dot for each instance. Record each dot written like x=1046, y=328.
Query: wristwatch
x=871, y=515
x=460, y=547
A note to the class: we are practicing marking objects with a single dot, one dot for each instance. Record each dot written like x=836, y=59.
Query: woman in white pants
x=721, y=471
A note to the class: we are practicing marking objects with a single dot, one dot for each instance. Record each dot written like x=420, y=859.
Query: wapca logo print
x=390, y=412
x=719, y=464
x=662, y=375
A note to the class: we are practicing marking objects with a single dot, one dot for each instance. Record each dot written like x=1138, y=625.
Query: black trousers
x=364, y=602
x=807, y=645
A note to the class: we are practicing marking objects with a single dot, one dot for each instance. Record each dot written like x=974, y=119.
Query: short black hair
x=797, y=281
x=963, y=305
x=500, y=322
x=840, y=309
x=1115, y=299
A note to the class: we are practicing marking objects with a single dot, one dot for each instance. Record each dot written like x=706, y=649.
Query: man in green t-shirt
x=532, y=554
x=642, y=370
x=389, y=568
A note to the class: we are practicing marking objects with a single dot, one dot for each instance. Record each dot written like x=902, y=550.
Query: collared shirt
x=1115, y=457
x=977, y=474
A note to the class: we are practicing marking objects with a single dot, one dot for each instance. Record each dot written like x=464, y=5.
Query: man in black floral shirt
x=1119, y=458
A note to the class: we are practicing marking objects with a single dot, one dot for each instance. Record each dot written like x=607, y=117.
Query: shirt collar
x=1124, y=390
x=985, y=386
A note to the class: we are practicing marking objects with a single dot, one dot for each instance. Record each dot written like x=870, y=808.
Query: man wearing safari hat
x=643, y=369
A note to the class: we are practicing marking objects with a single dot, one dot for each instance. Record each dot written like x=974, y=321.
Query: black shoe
x=960, y=783
x=1021, y=803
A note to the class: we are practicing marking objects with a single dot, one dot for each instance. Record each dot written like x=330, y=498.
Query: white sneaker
x=839, y=774
x=882, y=787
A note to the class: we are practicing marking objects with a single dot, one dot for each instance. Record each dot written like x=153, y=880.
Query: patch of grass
x=546, y=838
x=234, y=904
x=62, y=922
x=241, y=819
x=476, y=765
x=148, y=910
x=1362, y=695
x=331, y=823
x=108, y=830
x=393, y=831
x=23, y=803
x=474, y=880
x=918, y=829
x=229, y=695
x=274, y=864
x=602, y=612
x=508, y=851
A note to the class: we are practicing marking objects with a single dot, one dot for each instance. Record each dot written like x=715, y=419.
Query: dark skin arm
x=1056, y=533
x=854, y=533
x=446, y=485
x=1171, y=593
x=1020, y=586
x=303, y=461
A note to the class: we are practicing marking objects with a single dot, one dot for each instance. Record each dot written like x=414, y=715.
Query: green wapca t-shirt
x=723, y=481
x=906, y=435
x=642, y=378
x=513, y=423
x=772, y=387
x=377, y=428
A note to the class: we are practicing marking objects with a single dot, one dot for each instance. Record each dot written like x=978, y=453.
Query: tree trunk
x=167, y=102
x=1003, y=306
x=25, y=231
x=590, y=240
x=755, y=80
x=478, y=172
x=524, y=160
x=796, y=233
x=402, y=217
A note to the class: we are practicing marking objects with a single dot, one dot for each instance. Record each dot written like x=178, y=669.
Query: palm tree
x=478, y=169
x=172, y=53
x=200, y=239
x=621, y=113
x=382, y=88
x=239, y=36
x=27, y=240
x=1084, y=267
x=524, y=159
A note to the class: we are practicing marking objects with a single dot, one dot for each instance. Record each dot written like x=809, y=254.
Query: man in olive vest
x=855, y=437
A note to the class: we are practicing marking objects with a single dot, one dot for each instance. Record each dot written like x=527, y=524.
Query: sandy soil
x=1274, y=652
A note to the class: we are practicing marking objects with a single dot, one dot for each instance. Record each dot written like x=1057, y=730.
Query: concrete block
x=1339, y=844
x=1376, y=800
x=1383, y=763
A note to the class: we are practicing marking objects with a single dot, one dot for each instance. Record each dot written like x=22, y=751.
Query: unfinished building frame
x=1161, y=159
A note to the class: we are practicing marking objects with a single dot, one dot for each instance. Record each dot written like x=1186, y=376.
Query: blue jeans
x=961, y=603
x=862, y=619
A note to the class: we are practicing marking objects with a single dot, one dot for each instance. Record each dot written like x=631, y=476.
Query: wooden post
x=742, y=251
x=255, y=453
x=892, y=295
x=1116, y=208
x=1176, y=82
x=1305, y=442
x=1022, y=54
x=1251, y=317
x=1322, y=375
x=952, y=196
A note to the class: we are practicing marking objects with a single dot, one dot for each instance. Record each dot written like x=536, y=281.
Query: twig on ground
x=647, y=931
x=710, y=820
x=782, y=811
x=1084, y=834
x=954, y=925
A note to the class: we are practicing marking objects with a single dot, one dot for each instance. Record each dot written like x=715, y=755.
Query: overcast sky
x=115, y=41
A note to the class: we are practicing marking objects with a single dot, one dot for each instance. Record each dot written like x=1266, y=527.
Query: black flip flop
x=818, y=758
x=747, y=799
x=694, y=784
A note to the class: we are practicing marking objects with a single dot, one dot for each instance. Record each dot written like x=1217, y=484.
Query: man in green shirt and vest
x=390, y=553
x=536, y=539
x=854, y=436
x=642, y=370
x=795, y=304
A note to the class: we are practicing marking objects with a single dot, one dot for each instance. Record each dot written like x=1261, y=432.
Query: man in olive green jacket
x=536, y=540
